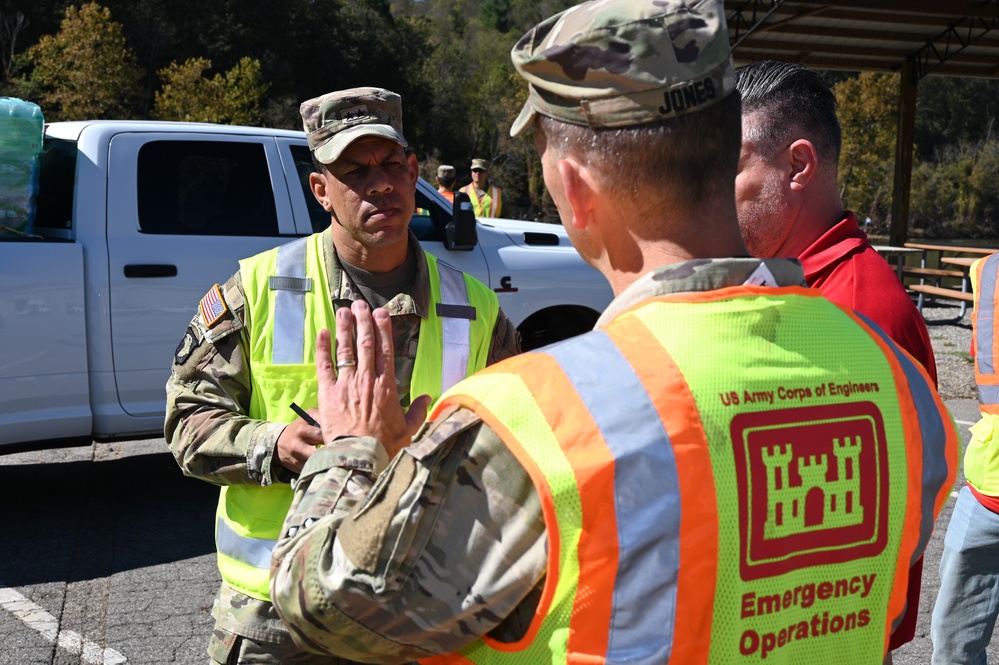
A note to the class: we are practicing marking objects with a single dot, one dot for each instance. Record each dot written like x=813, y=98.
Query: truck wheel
x=555, y=324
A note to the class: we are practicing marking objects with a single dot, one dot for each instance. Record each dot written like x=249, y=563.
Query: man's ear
x=804, y=162
x=577, y=183
x=414, y=166
x=317, y=183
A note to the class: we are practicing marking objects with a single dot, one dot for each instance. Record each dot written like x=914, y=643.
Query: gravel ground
x=951, y=345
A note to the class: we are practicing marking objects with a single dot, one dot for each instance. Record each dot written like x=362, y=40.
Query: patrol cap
x=445, y=172
x=337, y=119
x=618, y=63
x=480, y=164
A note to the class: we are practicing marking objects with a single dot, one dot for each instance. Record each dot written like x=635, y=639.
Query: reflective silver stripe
x=289, y=305
x=646, y=498
x=932, y=430
x=457, y=332
x=254, y=552
x=984, y=324
x=988, y=394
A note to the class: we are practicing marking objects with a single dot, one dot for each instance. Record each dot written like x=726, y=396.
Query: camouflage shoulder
x=222, y=311
x=451, y=423
x=506, y=341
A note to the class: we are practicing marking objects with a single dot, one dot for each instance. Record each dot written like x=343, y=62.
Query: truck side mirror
x=460, y=231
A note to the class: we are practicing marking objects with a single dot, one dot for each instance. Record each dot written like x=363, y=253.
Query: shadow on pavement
x=79, y=520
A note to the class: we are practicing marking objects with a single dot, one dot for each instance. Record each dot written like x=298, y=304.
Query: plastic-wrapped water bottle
x=21, y=131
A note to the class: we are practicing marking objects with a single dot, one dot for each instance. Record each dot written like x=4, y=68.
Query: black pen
x=304, y=415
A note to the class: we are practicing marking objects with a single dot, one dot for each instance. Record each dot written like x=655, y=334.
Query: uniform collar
x=342, y=289
x=701, y=275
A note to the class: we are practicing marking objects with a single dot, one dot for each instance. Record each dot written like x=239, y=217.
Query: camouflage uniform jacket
x=208, y=398
x=450, y=543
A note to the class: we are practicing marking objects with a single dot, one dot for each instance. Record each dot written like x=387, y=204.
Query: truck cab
x=137, y=220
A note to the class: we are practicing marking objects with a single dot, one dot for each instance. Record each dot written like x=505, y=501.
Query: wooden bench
x=942, y=291
x=932, y=272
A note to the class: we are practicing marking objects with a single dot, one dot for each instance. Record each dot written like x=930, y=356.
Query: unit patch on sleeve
x=213, y=307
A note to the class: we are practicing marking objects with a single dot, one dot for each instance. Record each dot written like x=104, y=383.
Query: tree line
x=253, y=62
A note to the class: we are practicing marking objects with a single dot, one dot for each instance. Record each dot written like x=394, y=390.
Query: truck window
x=56, y=184
x=205, y=188
x=303, y=165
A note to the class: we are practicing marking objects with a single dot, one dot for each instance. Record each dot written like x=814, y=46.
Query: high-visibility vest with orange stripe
x=288, y=301
x=489, y=205
x=981, y=457
x=740, y=475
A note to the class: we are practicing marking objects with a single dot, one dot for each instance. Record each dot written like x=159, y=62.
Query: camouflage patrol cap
x=337, y=119
x=480, y=164
x=618, y=63
x=445, y=172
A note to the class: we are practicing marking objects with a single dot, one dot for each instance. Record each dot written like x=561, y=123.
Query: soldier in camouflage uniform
x=366, y=180
x=397, y=549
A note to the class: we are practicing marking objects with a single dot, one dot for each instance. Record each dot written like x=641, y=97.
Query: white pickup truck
x=140, y=219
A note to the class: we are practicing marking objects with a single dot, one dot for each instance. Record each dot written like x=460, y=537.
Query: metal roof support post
x=903, y=153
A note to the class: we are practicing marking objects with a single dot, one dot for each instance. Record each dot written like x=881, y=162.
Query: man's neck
x=811, y=227
x=371, y=259
x=627, y=262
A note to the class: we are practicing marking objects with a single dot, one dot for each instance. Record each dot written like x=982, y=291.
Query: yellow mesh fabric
x=788, y=345
x=505, y=397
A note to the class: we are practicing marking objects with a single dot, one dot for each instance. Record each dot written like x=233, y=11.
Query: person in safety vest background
x=967, y=604
x=445, y=181
x=729, y=469
x=486, y=198
x=789, y=205
x=247, y=360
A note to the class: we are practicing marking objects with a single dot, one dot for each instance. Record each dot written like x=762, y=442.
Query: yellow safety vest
x=489, y=205
x=981, y=457
x=288, y=301
x=759, y=503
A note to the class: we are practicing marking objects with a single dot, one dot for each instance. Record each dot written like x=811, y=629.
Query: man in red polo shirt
x=789, y=206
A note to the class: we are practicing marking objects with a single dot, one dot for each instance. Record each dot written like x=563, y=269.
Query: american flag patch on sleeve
x=213, y=307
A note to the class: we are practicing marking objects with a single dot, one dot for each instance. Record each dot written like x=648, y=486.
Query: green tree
x=868, y=114
x=86, y=70
x=230, y=98
x=951, y=111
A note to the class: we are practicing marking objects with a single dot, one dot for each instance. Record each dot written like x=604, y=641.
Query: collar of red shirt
x=830, y=247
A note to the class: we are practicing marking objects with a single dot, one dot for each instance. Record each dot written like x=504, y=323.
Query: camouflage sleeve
x=208, y=397
x=506, y=340
x=446, y=545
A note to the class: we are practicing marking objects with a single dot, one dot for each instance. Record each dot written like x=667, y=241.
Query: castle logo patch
x=813, y=486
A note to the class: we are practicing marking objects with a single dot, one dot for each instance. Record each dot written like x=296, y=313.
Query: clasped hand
x=362, y=397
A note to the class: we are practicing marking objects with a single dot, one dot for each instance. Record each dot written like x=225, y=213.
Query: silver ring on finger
x=345, y=363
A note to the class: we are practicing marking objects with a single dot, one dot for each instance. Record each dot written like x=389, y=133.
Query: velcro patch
x=213, y=307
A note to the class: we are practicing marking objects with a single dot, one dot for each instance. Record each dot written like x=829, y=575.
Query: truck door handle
x=150, y=270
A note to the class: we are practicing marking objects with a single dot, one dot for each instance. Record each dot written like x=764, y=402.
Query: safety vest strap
x=642, y=606
x=932, y=427
x=290, y=285
x=456, y=320
x=984, y=273
x=254, y=552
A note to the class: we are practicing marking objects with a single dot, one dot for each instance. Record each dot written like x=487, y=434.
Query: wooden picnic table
x=898, y=253
x=948, y=267
x=964, y=261
x=984, y=251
